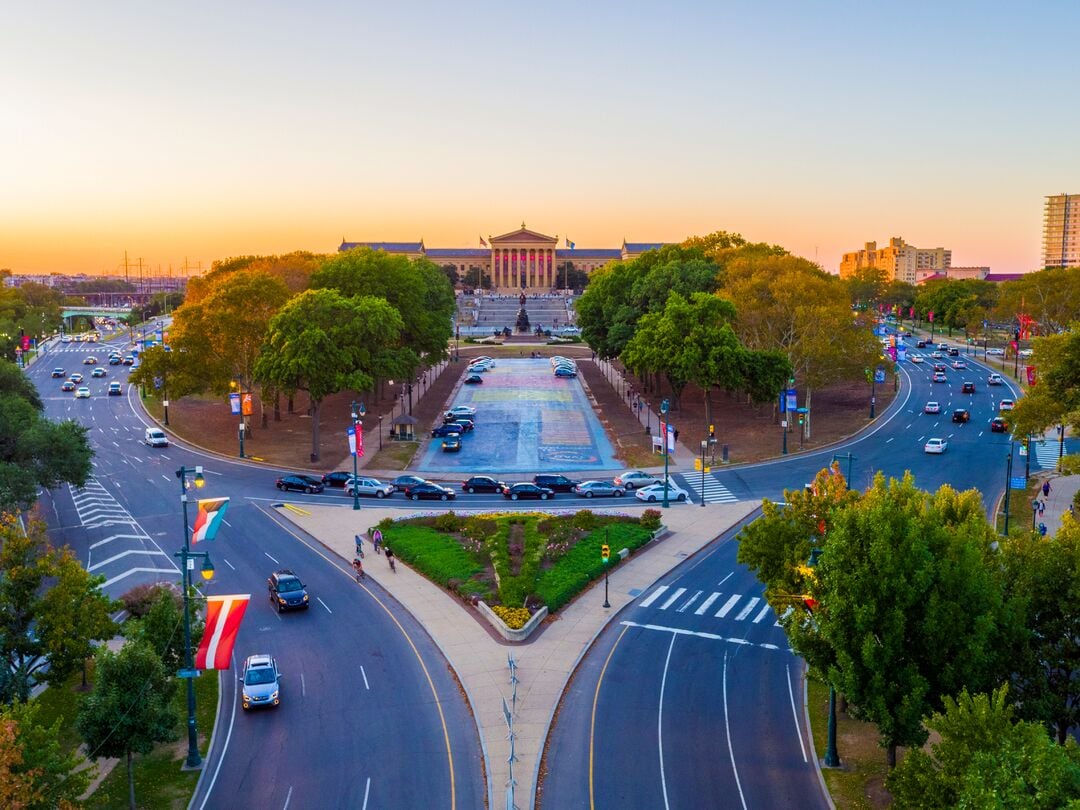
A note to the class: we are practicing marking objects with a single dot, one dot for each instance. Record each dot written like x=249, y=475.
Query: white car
x=655, y=492
x=931, y=407
x=461, y=410
x=995, y=352
x=1006, y=405
x=958, y=364
x=634, y=479
x=995, y=379
x=368, y=486
x=480, y=366
x=1026, y=352
x=936, y=446
x=916, y=358
x=82, y=392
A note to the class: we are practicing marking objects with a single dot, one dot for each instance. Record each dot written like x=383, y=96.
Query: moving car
x=403, y=482
x=68, y=385
x=920, y=344
x=474, y=379
x=995, y=352
x=89, y=360
x=556, y=483
x=76, y=378
x=337, y=479
x=261, y=682
x=1006, y=405
x=461, y=410
x=299, y=483
x=115, y=360
x=115, y=389
x=452, y=443
x=525, y=490
x=287, y=592
x=634, y=479
x=129, y=360
x=931, y=407
x=999, y=425
x=916, y=358
x=935, y=446
x=82, y=392
x=98, y=372
x=995, y=379
x=597, y=489
x=482, y=483
x=954, y=352
x=429, y=491
x=967, y=388
x=365, y=485
x=155, y=437
x=655, y=492
x=939, y=376
x=959, y=364
x=940, y=367
x=452, y=429
x=961, y=415
x=936, y=355
x=58, y=372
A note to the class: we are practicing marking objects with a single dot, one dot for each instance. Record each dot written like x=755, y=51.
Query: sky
x=192, y=132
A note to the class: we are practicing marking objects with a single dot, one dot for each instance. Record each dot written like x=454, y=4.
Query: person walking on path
x=390, y=559
x=1046, y=489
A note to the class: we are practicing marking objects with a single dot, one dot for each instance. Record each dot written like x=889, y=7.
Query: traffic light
x=712, y=431
x=801, y=418
x=605, y=553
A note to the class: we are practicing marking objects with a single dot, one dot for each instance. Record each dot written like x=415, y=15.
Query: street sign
x=1017, y=483
x=879, y=375
x=792, y=399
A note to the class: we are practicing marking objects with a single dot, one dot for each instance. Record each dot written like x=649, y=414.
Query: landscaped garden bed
x=516, y=563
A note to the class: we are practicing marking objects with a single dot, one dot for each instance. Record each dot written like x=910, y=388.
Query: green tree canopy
x=45, y=775
x=162, y=627
x=1050, y=296
x=1055, y=398
x=322, y=342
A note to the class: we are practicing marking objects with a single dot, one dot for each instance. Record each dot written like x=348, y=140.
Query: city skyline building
x=1061, y=231
x=900, y=261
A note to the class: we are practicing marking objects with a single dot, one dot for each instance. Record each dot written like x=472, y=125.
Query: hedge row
x=582, y=564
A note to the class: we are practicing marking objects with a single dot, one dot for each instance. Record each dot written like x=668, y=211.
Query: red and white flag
x=208, y=521
x=223, y=616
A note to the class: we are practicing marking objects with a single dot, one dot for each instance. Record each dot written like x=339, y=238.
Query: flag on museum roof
x=570, y=244
x=482, y=242
x=208, y=521
x=223, y=615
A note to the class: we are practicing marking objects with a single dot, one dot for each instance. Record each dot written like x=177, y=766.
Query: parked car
x=931, y=407
x=452, y=429
x=1025, y=352
x=995, y=352
x=429, y=491
x=482, y=483
x=995, y=379
x=461, y=410
x=403, y=482
x=337, y=479
x=463, y=425
x=634, y=479
x=525, y=490
x=98, y=372
x=366, y=485
x=961, y=415
x=556, y=483
x=565, y=371
x=935, y=446
x=58, y=372
x=967, y=388
x=1006, y=405
x=261, y=682
x=655, y=492
x=452, y=443
x=287, y=592
x=474, y=379
x=999, y=425
x=115, y=389
x=299, y=483
x=597, y=489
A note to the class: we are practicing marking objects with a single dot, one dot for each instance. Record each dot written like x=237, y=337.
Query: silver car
x=597, y=489
x=261, y=682
x=634, y=479
x=368, y=486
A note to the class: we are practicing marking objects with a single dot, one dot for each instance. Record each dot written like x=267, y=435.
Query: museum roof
x=590, y=253
x=449, y=253
x=641, y=247
x=389, y=247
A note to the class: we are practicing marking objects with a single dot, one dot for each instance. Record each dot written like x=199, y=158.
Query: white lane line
x=275, y=561
x=725, y=579
x=660, y=722
x=764, y=612
x=889, y=439
x=288, y=796
x=689, y=602
x=727, y=727
x=728, y=605
x=115, y=444
x=653, y=596
x=225, y=748
x=680, y=631
x=165, y=476
x=303, y=686
x=164, y=456
x=746, y=610
x=367, y=790
x=795, y=714
x=321, y=602
x=233, y=567
x=223, y=520
x=706, y=604
x=364, y=675
x=678, y=592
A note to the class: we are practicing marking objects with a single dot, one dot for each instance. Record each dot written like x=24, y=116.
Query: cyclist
x=376, y=540
x=358, y=567
x=359, y=546
x=390, y=559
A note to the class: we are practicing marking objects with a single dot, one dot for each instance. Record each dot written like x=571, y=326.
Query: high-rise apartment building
x=1061, y=231
x=900, y=261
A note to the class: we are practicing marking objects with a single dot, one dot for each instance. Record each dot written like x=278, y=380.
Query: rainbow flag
x=208, y=521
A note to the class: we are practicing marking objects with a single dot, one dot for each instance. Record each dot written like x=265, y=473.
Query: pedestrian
x=1042, y=508
x=1046, y=488
x=1042, y=529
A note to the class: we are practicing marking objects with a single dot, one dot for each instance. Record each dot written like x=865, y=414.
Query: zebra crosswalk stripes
x=712, y=492
x=1046, y=453
x=736, y=607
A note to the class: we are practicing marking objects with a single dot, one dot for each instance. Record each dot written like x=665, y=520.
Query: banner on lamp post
x=670, y=437
x=1031, y=375
x=356, y=440
x=234, y=404
x=245, y=400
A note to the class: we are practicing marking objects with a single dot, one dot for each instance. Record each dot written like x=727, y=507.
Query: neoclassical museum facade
x=519, y=260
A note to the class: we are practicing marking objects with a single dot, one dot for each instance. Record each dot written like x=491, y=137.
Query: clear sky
x=202, y=130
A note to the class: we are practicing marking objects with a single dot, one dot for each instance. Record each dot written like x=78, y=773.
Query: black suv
x=556, y=483
x=483, y=483
x=960, y=415
x=287, y=592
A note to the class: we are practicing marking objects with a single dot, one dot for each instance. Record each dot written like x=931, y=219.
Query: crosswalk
x=713, y=491
x=1046, y=453
x=736, y=606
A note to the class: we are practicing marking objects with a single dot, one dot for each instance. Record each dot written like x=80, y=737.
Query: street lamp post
x=873, y=392
x=380, y=431
x=704, y=447
x=664, y=407
x=1034, y=512
x=358, y=410
x=1008, y=487
x=187, y=556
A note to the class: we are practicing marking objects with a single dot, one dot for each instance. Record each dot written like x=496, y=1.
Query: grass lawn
x=393, y=456
x=1019, y=506
x=859, y=782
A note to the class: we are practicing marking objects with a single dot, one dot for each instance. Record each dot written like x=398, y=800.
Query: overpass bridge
x=91, y=311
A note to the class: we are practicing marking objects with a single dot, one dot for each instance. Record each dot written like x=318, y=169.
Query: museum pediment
x=524, y=236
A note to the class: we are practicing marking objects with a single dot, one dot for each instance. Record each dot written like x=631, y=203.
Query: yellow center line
x=408, y=638
x=592, y=720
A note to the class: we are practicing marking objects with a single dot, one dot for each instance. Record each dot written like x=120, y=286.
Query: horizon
x=263, y=130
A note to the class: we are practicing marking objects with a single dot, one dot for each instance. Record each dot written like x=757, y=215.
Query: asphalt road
x=371, y=716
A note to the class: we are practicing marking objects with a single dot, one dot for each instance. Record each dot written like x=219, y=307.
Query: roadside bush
x=447, y=522
x=141, y=598
x=582, y=563
x=650, y=519
x=585, y=520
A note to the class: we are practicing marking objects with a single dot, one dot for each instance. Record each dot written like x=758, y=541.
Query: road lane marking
x=653, y=596
x=367, y=790
x=364, y=675
x=321, y=602
x=223, y=520
x=288, y=796
x=728, y=605
x=746, y=610
x=671, y=599
x=275, y=561
x=764, y=612
x=303, y=686
x=795, y=714
x=660, y=722
x=233, y=567
x=725, y=579
x=681, y=631
x=706, y=604
x=689, y=602
x=727, y=728
x=228, y=736
x=592, y=719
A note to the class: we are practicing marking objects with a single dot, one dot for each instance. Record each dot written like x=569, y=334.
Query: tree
x=476, y=278
x=44, y=775
x=50, y=610
x=322, y=343
x=985, y=759
x=1055, y=399
x=866, y=286
x=451, y=273
x=1050, y=296
x=162, y=627
x=129, y=710
x=911, y=605
x=1043, y=575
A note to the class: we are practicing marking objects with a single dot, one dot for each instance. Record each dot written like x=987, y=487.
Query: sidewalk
x=1062, y=490
x=544, y=665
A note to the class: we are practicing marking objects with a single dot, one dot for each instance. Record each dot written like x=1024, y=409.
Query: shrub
x=436, y=555
x=582, y=563
x=141, y=598
x=650, y=519
x=447, y=522
x=514, y=618
x=585, y=520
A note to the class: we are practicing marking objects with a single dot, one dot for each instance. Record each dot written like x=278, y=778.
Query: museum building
x=515, y=261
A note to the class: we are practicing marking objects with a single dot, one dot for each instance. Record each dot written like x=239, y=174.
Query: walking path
x=545, y=664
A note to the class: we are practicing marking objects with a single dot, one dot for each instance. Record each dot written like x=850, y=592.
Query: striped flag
x=570, y=244
x=223, y=616
x=209, y=519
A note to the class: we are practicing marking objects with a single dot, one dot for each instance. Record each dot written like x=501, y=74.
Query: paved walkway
x=1062, y=490
x=545, y=664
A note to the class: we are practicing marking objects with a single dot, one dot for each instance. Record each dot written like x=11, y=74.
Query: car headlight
x=247, y=697
x=281, y=599
x=274, y=695
x=305, y=597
